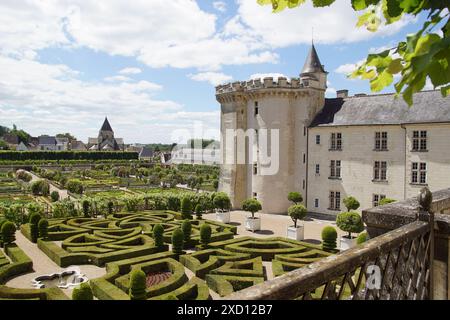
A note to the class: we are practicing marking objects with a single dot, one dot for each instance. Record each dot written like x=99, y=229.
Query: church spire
x=312, y=63
x=106, y=126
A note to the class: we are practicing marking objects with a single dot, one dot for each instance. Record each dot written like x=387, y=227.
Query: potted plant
x=252, y=223
x=222, y=205
x=296, y=212
x=350, y=222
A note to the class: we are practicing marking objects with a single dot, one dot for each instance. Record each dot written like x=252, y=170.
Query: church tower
x=106, y=132
x=284, y=106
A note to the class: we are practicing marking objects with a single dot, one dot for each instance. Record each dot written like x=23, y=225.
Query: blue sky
x=151, y=65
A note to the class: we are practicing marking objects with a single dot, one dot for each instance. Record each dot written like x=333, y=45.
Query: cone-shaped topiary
x=8, y=233
x=43, y=228
x=329, y=237
x=54, y=196
x=186, y=208
x=83, y=292
x=205, y=234
x=350, y=222
x=198, y=211
x=177, y=241
x=187, y=229
x=362, y=237
x=86, y=204
x=158, y=235
x=138, y=284
x=34, y=229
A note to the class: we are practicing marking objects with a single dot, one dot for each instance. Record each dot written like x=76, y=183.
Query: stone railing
x=397, y=264
x=267, y=83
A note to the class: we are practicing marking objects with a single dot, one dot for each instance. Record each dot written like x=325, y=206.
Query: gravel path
x=62, y=192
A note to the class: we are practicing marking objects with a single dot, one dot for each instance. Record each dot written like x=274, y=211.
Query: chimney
x=342, y=94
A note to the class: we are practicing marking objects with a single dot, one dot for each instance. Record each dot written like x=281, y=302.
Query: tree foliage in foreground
x=425, y=54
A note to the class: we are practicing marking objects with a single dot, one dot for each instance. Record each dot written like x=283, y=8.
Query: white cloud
x=117, y=79
x=215, y=78
x=51, y=98
x=130, y=71
x=332, y=25
x=347, y=68
x=261, y=76
x=220, y=6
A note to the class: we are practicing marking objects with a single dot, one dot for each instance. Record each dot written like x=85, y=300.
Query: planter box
x=253, y=224
x=346, y=243
x=223, y=217
x=296, y=233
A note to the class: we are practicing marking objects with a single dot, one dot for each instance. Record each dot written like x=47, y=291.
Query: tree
x=422, y=55
x=351, y=203
x=8, y=233
x=177, y=241
x=74, y=186
x=329, y=237
x=205, y=234
x=198, y=211
x=54, y=196
x=83, y=292
x=295, y=197
x=138, y=284
x=158, y=235
x=43, y=228
x=297, y=212
x=350, y=222
x=252, y=206
x=186, y=226
x=86, y=204
x=40, y=187
x=221, y=201
x=186, y=208
x=34, y=228
x=66, y=135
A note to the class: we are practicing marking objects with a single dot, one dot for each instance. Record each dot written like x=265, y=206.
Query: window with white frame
x=336, y=141
x=335, y=200
x=380, y=171
x=316, y=203
x=335, y=169
x=377, y=198
x=318, y=139
x=381, y=141
x=420, y=140
x=419, y=173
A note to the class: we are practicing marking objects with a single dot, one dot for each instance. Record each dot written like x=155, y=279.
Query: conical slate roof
x=312, y=63
x=106, y=126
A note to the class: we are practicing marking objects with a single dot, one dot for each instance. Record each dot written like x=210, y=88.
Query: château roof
x=312, y=63
x=384, y=109
x=106, y=126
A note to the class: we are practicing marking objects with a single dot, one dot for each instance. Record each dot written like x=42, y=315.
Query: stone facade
x=305, y=120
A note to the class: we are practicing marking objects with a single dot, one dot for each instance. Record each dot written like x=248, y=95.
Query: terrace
x=406, y=258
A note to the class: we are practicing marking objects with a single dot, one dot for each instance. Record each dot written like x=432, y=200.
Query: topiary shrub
x=158, y=235
x=83, y=292
x=40, y=187
x=329, y=237
x=2, y=221
x=74, y=186
x=110, y=207
x=138, y=284
x=43, y=228
x=86, y=204
x=54, y=196
x=205, y=234
x=23, y=175
x=351, y=203
x=186, y=208
x=350, y=222
x=34, y=229
x=295, y=197
x=362, y=237
x=186, y=227
x=8, y=233
x=177, y=241
x=386, y=201
x=198, y=211
x=221, y=201
x=297, y=212
x=252, y=206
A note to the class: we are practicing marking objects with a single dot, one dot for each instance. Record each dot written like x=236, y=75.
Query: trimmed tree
x=350, y=222
x=329, y=238
x=295, y=197
x=186, y=208
x=297, y=212
x=186, y=227
x=198, y=211
x=351, y=203
x=86, y=204
x=8, y=233
x=138, y=284
x=110, y=208
x=34, y=229
x=222, y=201
x=43, y=228
x=177, y=241
x=205, y=234
x=252, y=206
x=2, y=221
x=54, y=196
x=158, y=235
x=83, y=292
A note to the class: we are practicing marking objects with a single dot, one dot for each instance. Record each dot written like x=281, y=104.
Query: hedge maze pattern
x=123, y=242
